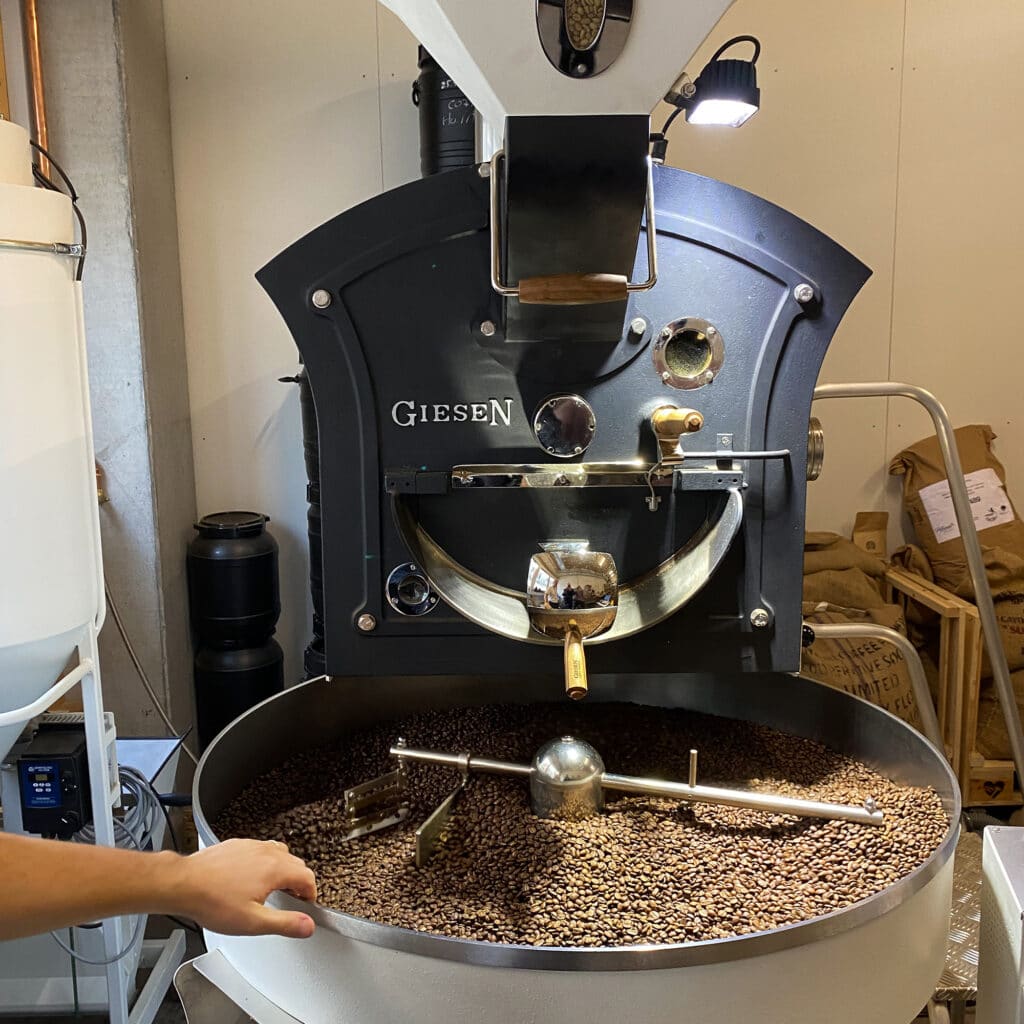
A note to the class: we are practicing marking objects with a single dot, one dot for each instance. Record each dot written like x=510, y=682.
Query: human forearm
x=50, y=885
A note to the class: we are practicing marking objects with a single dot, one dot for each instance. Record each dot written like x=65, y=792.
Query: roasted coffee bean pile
x=646, y=871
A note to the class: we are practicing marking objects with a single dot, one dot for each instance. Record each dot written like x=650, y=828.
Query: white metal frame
x=162, y=956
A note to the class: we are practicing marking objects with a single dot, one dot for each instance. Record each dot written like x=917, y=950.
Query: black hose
x=978, y=819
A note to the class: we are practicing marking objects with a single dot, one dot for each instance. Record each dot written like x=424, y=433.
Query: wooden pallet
x=982, y=782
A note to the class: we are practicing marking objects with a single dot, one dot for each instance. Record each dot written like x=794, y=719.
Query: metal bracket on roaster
x=724, y=475
x=598, y=474
x=431, y=832
x=376, y=804
x=569, y=289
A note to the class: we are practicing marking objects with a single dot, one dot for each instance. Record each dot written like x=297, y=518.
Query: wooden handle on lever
x=572, y=289
x=575, y=665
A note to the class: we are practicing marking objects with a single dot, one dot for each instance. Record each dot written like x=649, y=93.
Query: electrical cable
x=136, y=824
x=141, y=672
x=140, y=814
x=84, y=234
x=192, y=927
x=106, y=961
x=74, y=972
x=72, y=193
x=726, y=45
x=176, y=799
x=159, y=800
x=671, y=117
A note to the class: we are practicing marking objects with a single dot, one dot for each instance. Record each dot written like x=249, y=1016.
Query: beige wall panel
x=276, y=128
x=824, y=146
x=399, y=119
x=960, y=255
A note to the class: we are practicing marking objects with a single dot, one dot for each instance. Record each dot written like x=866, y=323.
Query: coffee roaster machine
x=563, y=400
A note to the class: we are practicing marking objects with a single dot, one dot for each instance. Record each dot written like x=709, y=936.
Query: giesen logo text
x=493, y=412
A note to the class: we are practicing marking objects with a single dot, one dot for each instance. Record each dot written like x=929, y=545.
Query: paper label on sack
x=989, y=504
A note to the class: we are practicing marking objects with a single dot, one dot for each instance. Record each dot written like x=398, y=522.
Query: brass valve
x=669, y=423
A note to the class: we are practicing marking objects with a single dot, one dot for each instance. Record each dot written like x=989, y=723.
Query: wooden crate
x=991, y=784
x=982, y=782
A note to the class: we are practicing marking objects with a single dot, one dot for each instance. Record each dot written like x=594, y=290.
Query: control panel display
x=40, y=785
x=53, y=781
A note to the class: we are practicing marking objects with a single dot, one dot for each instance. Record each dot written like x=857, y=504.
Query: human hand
x=223, y=888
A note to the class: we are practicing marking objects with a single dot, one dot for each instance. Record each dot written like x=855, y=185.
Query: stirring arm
x=689, y=792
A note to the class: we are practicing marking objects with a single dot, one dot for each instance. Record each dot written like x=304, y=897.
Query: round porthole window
x=409, y=591
x=564, y=426
x=689, y=353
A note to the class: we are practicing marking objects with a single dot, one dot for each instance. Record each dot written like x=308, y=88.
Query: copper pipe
x=30, y=24
x=5, y=100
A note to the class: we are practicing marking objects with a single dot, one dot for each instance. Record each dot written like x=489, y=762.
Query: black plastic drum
x=232, y=580
x=447, y=120
x=314, y=662
x=230, y=681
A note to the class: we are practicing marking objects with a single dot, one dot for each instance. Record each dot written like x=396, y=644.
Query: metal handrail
x=968, y=533
x=918, y=679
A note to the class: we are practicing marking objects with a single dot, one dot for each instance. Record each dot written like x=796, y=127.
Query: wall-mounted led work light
x=724, y=93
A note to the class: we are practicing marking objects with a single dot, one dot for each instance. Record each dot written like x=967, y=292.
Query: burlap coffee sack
x=839, y=572
x=1005, y=573
x=913, y=559
x=993, y=743
x=828, y=551
x=931, y=513
x=868, y=668
x=847, y=588
x=921, y=621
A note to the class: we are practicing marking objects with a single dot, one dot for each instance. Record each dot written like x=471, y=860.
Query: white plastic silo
x=49, y=555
